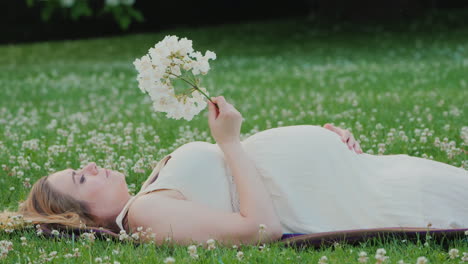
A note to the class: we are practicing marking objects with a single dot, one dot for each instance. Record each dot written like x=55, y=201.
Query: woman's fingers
x=332, y=128
x=346, y=136
x=352, y=143
x=357, y=148
x=221, y=102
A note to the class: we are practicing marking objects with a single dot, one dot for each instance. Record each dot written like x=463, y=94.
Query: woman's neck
x=110, y=222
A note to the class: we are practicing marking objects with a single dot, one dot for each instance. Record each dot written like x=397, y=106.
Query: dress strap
x=153, y=176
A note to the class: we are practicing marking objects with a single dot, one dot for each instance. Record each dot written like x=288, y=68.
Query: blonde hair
x=46, y=205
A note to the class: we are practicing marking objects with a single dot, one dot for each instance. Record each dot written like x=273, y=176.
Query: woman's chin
x=119, y=174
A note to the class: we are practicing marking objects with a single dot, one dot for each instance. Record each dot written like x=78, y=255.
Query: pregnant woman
x=294, y=179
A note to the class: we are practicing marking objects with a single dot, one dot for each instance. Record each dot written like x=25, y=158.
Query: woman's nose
x=91, y=167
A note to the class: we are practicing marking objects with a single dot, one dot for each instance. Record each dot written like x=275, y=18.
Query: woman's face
x=105, y=191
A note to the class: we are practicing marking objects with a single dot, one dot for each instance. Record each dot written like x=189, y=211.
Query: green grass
x=372, y=81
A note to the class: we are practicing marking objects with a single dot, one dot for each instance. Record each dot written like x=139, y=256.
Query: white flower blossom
x=211, y=244
x=465, y=257
x=240, y=255
x=192, y=249
x=363, y=257
x=88, y=236
x=67, y=3
x=135, y=236
x=169, y=260
x=421, y=260
x=164, y=62
x=5, y=247
x=323, y=260
x=453, y=253
x=123, y=235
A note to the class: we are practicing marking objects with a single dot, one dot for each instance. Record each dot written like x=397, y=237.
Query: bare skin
x=104, y=190
x=346, y=137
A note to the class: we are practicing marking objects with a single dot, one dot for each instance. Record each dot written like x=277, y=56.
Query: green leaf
x=30, y=3
x=124, y=22
x=136, y=14
x=47, y=12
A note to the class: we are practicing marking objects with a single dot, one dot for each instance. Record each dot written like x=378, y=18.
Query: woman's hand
x=346, y=137
x=225, y=122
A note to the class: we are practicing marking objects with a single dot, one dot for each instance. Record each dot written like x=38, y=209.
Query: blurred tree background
x=39, y=20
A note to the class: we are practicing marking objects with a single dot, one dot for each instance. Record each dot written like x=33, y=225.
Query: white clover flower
x=421, y=260
x=88, y=236
x=165, y=61
x=135, y=236
x=169, y=260
x=381, y=251
x=380, y=255
x=123, y=235
x=55, y=232
x=67, y=3
x=211, y=244
x=6, y=245
x=466, y=233
x=363, y=257
x=192, y=249
x=98, y=260
x=453, y=253
x=323, y=260
x=381, y=258
x=240, y=255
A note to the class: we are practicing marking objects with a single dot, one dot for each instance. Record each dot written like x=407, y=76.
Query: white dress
x=317, y=184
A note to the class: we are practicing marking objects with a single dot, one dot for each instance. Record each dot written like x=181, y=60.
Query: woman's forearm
x=255, y=203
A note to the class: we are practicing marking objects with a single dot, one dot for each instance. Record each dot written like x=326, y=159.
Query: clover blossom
x=164, y=62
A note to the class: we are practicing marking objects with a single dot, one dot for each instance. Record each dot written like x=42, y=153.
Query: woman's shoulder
x=136, y=211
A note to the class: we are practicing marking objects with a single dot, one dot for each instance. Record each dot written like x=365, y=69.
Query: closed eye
x=82, y=179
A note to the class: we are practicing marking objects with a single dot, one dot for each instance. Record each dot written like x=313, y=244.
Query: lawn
x=399, y=89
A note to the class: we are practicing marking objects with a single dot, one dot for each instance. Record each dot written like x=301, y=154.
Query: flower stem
x=196, y=87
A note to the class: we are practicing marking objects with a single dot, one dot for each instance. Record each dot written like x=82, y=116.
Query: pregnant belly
x=310, y=163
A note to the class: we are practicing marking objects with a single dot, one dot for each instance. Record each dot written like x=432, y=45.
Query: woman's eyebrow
x=73, y=177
